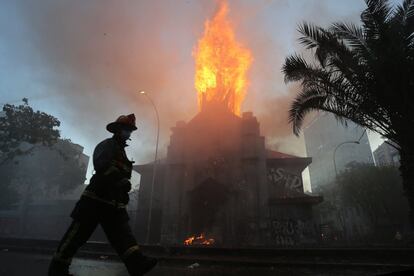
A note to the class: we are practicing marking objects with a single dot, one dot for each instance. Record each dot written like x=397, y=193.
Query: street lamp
x=347, y=142
x=154, y=168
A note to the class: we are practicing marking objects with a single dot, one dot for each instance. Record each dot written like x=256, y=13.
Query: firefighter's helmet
x=123, y=122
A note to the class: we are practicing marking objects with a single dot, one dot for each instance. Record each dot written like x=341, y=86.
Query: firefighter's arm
x=124, y=185
x=112, y=170
x=103, y=156
x=114, y=175
x=104, y=162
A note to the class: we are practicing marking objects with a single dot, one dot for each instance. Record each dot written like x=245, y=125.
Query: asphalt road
x=25, y=264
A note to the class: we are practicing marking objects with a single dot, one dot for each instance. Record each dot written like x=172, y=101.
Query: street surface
x=24, y=264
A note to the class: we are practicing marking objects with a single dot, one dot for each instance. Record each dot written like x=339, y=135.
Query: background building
x=387, y=155
x=48, y=182
x=322, y=137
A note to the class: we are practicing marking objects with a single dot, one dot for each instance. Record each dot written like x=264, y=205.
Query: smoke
x=93, y=56
x=268, y=95
x=96, y=55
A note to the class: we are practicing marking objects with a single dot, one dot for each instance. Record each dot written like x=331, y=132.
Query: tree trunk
x=407, y=174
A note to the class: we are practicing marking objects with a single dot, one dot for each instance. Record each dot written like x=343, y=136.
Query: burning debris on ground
x=199, y=240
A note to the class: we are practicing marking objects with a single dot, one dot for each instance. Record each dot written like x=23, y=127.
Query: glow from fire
x=201, y=239
x=221, y=64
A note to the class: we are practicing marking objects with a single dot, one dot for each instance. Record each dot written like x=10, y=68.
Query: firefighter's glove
x=124, y=185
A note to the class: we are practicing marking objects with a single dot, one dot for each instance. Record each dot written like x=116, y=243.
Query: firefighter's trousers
x=87, y=214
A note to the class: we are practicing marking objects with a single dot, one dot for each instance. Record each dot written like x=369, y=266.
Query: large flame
x=221, y=64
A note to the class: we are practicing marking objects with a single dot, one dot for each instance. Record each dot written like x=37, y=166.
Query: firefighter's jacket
x=110, y=183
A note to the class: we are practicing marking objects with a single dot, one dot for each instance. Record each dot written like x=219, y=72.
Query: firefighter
x=104, y=202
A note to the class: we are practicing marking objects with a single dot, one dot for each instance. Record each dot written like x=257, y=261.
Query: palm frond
x=410, y=43
x=405, y=12
x=296, y=68
x=363, y=72
x=311, y=35
x=379, y=10
x=375, y=17
x=330, y=46
x=312, y=77
x=352, y=34
x=305, y=102
x=352, y=73
x=403, y=22
x=319, y=39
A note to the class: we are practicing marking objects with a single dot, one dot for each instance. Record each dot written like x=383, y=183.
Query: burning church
x=218, y=184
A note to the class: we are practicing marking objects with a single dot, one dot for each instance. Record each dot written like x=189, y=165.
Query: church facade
x=219, y=181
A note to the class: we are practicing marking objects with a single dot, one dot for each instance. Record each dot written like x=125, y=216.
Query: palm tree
x=363, y=73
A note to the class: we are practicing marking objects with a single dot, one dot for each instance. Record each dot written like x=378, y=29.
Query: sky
x=84, y=62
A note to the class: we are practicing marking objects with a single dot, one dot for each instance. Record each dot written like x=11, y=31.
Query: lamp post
x=340, y=215
x=343, y=143
x=154, y=168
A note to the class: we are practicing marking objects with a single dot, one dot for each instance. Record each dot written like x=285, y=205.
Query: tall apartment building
x=329, y=142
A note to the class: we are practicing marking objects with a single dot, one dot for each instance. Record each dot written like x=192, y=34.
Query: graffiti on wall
x=285, y=232
x=282, y=178
x=290, y=232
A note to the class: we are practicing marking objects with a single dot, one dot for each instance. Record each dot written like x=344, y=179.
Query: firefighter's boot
x=57, y=268
x=138, y=264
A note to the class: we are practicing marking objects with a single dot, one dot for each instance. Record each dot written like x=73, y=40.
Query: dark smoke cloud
x=98, y=54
